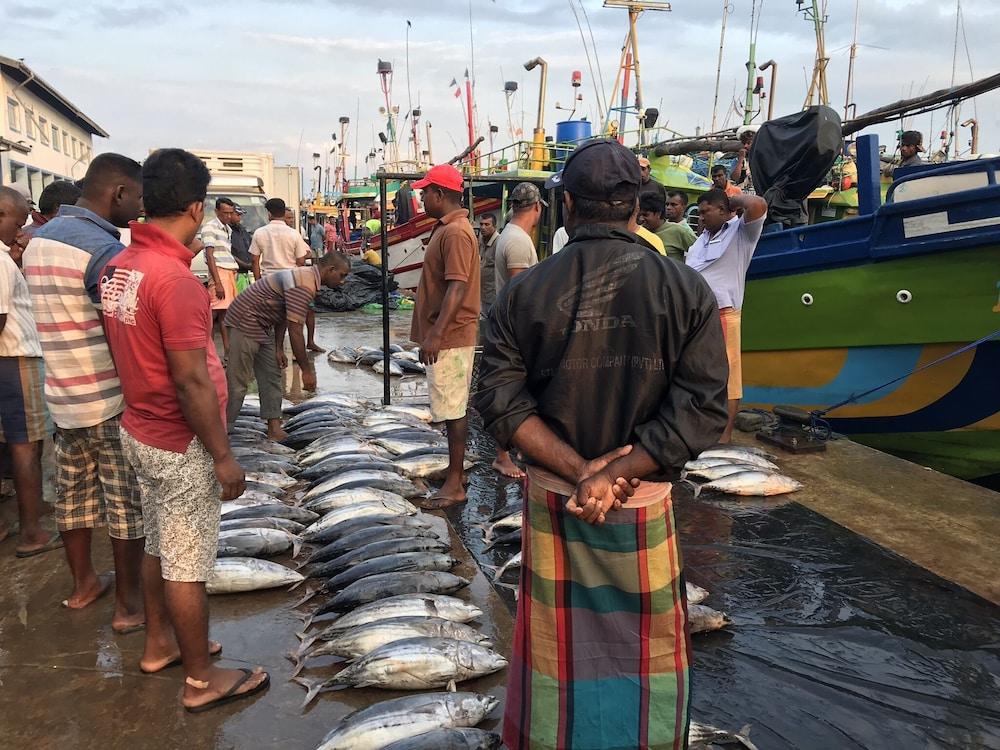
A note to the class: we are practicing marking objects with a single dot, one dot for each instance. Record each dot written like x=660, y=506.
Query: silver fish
x=695, y=594
x=738, y=456
x=403, y=605
x=268, y=522
x=412, y=664
x=723, y=470
x=343, y=498
x=402, y=543
x=383, y=480
x=265, y=489
x=385, y=585
x=513, y=521
x=423, y=413
x=698, y=464
x=704, y=737
x=752, y=484
x=255, y=542
x=322, y=448
x=367, y=508
x=356, y=642
x=252, y=497
x=704, y=619
x=399, y=445
x=237, y=574
x=363, y=538
x=398, y=563
x=342, y=355
x=272, y=510
x=352, y=525
x=277, y=479
x=426, y=465
x=394, y=368
x=408, y=356
x=464, y=738
x=513, y=562
x=325, y=399
x=375, y=727
x=267, y=446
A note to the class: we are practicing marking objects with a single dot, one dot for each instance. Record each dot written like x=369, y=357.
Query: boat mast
x=718, y=68
x=817, y=87
x=748, y=112
x=850, y=66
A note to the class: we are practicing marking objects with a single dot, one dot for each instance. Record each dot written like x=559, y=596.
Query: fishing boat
x=855, y=311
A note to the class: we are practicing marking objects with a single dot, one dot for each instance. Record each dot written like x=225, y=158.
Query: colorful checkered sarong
x=600, y=655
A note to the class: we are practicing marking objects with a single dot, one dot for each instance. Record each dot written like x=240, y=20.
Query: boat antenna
x=817, y=87
x=597, y=57
x=727, y=8
x=409, y=96
x=850, y=65
x=590, y=65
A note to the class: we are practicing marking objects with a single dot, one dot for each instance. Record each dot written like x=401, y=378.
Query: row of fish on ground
x=402, y=361
x=381, y=577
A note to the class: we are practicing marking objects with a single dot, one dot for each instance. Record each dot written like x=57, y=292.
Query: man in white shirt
x=24, y=420
x=216, y=236
x=722, y=255
x=276, y=246
x=515, y=253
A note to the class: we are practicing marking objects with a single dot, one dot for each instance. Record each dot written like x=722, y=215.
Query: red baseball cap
x=444, y=176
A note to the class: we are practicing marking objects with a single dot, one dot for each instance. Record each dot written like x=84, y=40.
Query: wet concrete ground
x=67, y=682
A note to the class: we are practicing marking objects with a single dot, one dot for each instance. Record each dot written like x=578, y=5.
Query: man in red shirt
x=159, y=326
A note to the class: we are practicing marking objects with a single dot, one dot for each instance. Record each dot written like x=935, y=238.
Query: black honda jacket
x=609, y=343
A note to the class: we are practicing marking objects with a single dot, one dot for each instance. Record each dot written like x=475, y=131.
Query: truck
x=248, y=179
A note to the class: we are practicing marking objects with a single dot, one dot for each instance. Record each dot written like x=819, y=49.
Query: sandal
x=230, y=695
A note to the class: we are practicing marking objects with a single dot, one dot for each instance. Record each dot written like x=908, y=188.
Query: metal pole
x=718, y=68
x=774, y=78
x=384, y=234
x=633, y=16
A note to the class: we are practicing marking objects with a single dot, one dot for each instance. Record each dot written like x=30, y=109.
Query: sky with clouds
x=275, y=77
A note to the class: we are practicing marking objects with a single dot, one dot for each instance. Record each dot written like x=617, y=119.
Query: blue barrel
x=572, y=133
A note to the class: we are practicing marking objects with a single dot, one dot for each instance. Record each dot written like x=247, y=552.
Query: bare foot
x=124, y=622
x=277, y=435
x=450, y=494
x=100, y=586
x=508, y=468
x=314, y=347
x=153, y=663
x=223, y=684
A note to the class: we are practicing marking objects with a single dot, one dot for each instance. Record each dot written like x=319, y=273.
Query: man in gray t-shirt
x=515, y=248
x=722, y=255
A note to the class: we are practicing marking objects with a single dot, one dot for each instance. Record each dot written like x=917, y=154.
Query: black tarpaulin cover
x=363, y=285
x=790, y=157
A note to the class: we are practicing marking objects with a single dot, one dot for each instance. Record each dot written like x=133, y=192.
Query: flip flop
x=231, y=695
x=438, y=502
x=55, y=542
x=214, y=650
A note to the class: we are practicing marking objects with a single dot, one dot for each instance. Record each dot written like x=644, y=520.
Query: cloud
x=119, y=17
x=31, y=12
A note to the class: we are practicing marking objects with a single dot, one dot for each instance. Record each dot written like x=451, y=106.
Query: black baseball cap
x=600, y=169
x=912, y=138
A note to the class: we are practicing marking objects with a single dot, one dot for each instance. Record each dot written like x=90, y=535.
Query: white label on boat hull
x=937, y=223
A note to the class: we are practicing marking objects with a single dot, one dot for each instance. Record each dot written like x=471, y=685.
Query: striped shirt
x=18, y=337
x=63, y=264
x=216, y=235
x=277, y=297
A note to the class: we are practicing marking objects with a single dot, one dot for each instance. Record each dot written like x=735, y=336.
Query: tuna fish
x=403, y=605
x=751, y=484
x=365, y=537
x=378, y=549
x=375, y=727
x=394, y=367
x=237, y=574
x=695, y=594
x=342, y=355
x=722, y=470
x=265, y=489
x=404, y=561
x=259, y=542
x=705, y=737
x=708, y=463
x=705, y=619
x=278, y=479
x=513, y=562
x=362, y=640
x=270, y=464
x=737, y=455
x=384, y=585
x=465, y=738
x=366, y=508
x=412, y=367
x=267, y=446
x=425, y=465
x=365, y=521
x=513, y=537
x=412, y=664
x=269, y=522
x=422, y=413
x=273, y=510
x=414, y=441
x=337, y=463
x=513, y=521
x=342, y=498
x=325, y=399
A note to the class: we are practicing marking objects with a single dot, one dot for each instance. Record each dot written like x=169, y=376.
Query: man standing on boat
x=446, y=318
x=722, y=254
x=604, y=363
x=720, y=179
x=911, y=143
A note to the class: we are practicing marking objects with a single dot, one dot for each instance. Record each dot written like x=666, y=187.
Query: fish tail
x=744, y=737
x=313, y=688
x=304, y=563
x=692, y=485
x=296, y=546
x=299, y=664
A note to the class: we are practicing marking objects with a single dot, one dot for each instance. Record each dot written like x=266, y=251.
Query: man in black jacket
x=604, y=365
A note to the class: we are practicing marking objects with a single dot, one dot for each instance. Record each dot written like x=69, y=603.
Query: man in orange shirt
x=720, y=179
x=446, y=318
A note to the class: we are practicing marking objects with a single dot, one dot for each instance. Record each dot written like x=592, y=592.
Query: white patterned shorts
x=180, y=507
x=448, y=382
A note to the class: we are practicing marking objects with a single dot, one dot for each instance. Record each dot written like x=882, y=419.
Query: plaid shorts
x=24, y=417
x=180, y=505
x=95, y=484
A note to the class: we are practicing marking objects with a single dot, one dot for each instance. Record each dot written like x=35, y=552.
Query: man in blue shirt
x=316, y=237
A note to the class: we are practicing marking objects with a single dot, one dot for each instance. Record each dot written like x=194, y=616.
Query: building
x=43, y=136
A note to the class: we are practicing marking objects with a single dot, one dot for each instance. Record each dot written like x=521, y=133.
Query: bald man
x=24, y=421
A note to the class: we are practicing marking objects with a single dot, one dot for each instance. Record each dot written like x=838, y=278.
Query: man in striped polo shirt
x=257, y=320
x=95, y=484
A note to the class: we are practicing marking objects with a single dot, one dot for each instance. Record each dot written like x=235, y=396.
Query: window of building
x=29, y=123
x=66, y=145
x=13, y=115
x=55, y=137
x=43, y=130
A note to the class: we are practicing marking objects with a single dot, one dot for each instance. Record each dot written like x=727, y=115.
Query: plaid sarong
x=601, y=653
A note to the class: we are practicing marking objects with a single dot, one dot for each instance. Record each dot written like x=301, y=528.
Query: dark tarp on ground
x=836, y=642
x=790, y=157
x=364, y=285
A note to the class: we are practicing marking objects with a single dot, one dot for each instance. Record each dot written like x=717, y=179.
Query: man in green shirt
x=676, y=237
